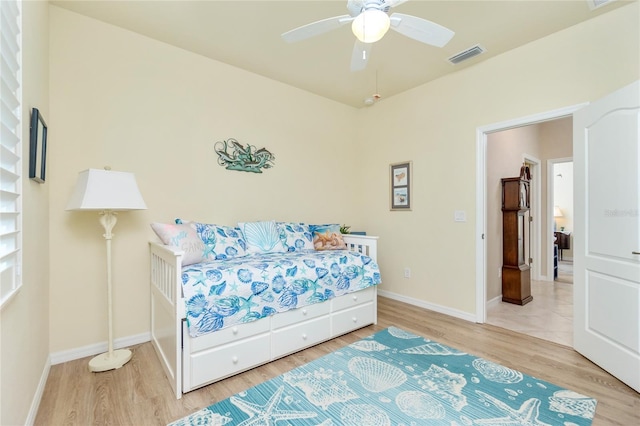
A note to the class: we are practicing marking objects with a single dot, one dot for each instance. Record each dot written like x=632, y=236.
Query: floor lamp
x=107, y=192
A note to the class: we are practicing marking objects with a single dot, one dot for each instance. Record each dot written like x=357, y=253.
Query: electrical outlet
x=407, y=272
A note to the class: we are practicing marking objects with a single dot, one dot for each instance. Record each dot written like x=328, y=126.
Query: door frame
x=481, y=192
x=535, y=212
x=550, y=195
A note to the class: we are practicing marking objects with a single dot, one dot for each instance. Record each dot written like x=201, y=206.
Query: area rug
x=395, y=377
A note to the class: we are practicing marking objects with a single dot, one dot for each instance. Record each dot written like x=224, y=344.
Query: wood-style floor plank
x=140, y=394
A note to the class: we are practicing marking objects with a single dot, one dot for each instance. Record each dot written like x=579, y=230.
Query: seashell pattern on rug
x=369, y=346
x=386, y=380
x=496, y=372
x=374, y=375
x=364, y=415
x=402, y=334
x=432, y=348
x=321, y=387
x=570, y=402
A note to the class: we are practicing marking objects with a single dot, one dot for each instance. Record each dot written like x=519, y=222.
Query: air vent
x=467, y=54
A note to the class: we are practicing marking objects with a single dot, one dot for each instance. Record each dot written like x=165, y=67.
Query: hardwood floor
x=139, y=393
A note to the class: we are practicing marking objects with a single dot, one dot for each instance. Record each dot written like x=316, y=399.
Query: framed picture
x=401, y=182
x=38, y=146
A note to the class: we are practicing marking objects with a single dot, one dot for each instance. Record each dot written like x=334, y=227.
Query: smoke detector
x=372, y=99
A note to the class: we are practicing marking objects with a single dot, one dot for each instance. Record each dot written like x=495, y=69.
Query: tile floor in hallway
x=548, y=316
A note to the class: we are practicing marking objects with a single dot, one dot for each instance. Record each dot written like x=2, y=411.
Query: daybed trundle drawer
x=294, y=338
x=298, y=315
x=351, y=319
x=228, y=335
x=229, y=359
x=353, y=299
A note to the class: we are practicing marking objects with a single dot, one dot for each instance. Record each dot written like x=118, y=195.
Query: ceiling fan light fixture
x=371, y=25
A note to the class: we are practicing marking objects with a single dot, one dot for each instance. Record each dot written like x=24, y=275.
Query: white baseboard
x=494, y=302
x=98, y=348
x=37, y=397
x=432, y=307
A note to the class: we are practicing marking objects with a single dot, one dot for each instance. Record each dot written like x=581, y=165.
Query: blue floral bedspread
x=222, y=293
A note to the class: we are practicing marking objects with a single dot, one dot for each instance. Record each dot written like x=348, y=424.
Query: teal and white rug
x=398, y=378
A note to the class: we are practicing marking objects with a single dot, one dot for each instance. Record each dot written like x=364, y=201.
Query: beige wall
x=119, y=99
x=557, y=143
x=435, y=126
x=505, y=153
x=24, y=322
x=563, y=198
x=139, y=105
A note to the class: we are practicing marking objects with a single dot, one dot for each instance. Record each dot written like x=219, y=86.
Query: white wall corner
x=37, y=397
x=98, y=348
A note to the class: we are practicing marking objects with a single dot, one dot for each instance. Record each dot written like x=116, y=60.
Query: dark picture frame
x=37, y=146
x=401, y=181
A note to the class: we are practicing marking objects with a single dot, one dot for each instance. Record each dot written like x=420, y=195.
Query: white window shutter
x=10, y=151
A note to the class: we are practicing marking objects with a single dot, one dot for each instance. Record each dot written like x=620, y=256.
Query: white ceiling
x=246, y=34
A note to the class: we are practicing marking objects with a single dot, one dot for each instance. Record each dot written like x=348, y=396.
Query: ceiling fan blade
x=355, y=7
x=316, y=28
x=360, y=55
x=394, y=3
x=420, y=29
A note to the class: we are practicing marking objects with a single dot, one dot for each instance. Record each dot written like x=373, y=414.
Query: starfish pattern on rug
x=526, y=415
x=268, y=414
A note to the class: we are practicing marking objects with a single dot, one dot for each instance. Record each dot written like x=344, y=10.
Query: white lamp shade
x=557, y=212
x=106, y=190
x=371, y=25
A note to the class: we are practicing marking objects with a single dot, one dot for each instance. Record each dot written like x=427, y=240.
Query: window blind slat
x=10, y=150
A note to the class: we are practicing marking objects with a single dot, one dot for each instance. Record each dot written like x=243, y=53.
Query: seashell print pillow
x=221, y=242
x=328, y=237
x=184, y=237
x=262, y=237
x=295, y=236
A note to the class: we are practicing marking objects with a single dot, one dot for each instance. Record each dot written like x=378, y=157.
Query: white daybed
x=193, y=362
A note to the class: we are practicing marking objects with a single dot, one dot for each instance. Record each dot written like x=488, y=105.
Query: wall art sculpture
x=235, y=156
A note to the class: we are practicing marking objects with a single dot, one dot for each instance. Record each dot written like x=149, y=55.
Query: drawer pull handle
x=304, y=312
x=635, y=252
x=304, y=336
x=235, y=330
x=234, y=359
x=354, y=319
x=355, y=298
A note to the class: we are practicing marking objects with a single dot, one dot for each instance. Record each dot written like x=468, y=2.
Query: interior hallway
x=548, y=316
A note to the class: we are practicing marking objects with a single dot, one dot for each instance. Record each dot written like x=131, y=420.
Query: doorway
x=488, y=284
x=560, y=186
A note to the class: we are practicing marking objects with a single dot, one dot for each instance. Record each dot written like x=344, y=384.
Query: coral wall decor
x=235, y=156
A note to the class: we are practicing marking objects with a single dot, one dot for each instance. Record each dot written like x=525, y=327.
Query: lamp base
x=106, y=361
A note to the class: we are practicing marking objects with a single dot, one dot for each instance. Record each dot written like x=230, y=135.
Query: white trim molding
x=481, y=208
x=98, y=348
x=430, y=306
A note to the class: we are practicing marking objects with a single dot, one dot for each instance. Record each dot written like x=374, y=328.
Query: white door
x=607, y=233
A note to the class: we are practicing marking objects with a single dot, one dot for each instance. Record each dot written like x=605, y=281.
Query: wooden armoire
x=516, y=273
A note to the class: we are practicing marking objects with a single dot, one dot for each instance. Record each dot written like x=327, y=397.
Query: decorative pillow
x=221, y=242
x=184, y=237
x=295, y=236
x=328, y=237
x=262, y=237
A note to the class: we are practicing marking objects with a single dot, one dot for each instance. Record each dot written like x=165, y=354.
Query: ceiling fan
x=370, y=21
